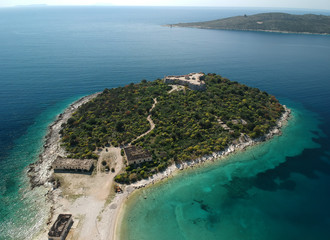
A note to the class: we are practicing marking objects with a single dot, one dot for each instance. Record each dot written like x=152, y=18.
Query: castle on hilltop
x=193, y=81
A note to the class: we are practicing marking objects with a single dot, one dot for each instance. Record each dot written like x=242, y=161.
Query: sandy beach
x=91, y=199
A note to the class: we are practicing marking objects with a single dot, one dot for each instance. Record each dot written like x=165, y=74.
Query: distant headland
x=268, y=22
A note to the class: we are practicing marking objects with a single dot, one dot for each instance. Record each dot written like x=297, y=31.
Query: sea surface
x=52, y=56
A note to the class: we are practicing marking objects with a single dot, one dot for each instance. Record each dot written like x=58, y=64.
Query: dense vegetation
x=189, y=124
x=282, y=22
x=115, y=117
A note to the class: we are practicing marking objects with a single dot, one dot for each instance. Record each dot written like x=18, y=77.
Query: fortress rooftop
x=192, y=80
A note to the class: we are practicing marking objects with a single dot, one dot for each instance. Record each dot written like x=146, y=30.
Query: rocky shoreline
x=40, y=173
x=242, y=143
x=248, y=30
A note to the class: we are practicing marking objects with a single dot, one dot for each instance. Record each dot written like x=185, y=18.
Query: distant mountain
x=273, y=22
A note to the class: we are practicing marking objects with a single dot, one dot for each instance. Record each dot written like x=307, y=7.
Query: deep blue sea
x=52, y=56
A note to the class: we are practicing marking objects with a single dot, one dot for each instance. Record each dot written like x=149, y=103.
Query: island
x=208, y=114
x=268, y=22
x=106, y=145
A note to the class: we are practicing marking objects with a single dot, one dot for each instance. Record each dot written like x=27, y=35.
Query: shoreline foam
x=41, y=175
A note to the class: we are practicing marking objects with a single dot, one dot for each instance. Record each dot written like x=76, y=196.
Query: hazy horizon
x=267, y=9
x=293, y=4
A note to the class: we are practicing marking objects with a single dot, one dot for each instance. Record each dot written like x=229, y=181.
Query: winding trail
x=152, y=124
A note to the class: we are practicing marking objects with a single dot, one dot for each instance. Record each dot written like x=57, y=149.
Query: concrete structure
x=77, y=165
x=192, y=80
x=136, y=155
x=61, y=227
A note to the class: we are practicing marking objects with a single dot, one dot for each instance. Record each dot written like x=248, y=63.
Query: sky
x=307, y=4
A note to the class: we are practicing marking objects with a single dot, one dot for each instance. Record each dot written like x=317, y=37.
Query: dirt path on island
x=152, y=124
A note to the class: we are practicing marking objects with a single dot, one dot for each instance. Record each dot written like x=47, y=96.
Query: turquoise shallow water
x=249, y=195
x=51, y=56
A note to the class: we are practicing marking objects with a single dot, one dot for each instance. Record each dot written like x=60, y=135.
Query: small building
x=137, y=155
x=76, y=165
x=193, y=81
x=61, y=227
